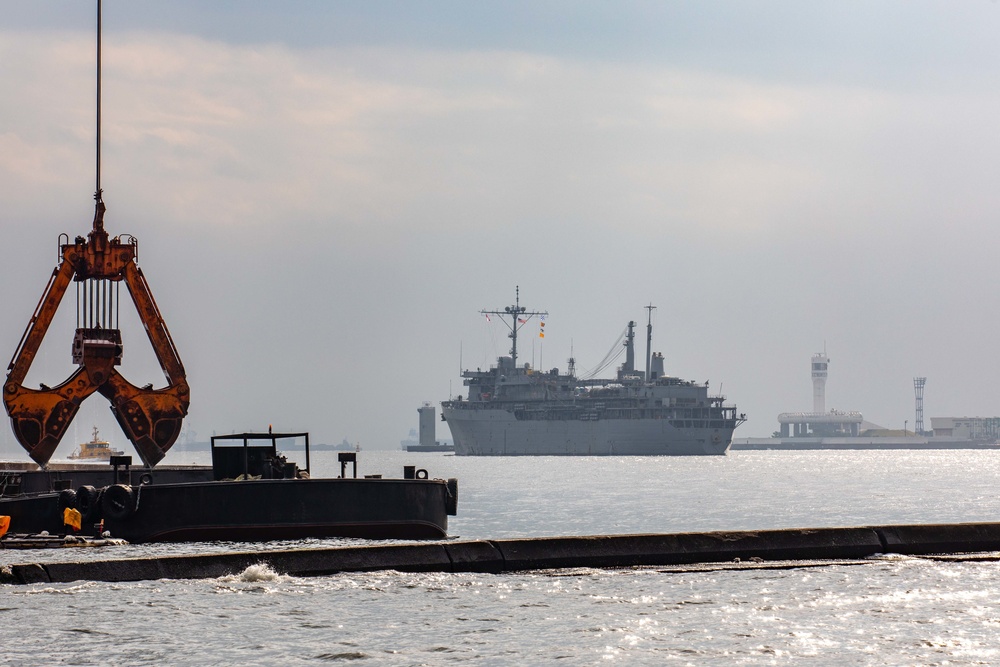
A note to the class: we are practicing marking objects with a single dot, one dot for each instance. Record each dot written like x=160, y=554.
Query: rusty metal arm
x=40, y=418
x=156, y=328
x=20, y=363
x=151, y=418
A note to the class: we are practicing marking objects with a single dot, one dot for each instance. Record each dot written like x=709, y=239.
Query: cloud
x=377, y=141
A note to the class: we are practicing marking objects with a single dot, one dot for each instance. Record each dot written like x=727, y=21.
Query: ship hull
x=497, y=432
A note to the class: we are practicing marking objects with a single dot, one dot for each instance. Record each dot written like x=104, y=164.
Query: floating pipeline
x=514, y=555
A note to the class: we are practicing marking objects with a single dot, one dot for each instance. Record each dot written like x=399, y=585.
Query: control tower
x=819, y=363
x=819, y=423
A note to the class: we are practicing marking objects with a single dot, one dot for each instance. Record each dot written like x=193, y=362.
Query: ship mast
x=519, y=316
x=629, y=367
x=649, y=337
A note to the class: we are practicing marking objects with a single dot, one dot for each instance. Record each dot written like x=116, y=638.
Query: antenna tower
x=918, y=389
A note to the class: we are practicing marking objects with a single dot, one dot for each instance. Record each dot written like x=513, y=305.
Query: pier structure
x=816, y=424
x=841, y=430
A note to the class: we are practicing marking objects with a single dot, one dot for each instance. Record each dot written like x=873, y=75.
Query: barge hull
x=259, y=510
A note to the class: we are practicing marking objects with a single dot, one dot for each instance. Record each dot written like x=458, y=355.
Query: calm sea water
x=889, y=611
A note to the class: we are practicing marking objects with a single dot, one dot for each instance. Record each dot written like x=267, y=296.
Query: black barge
x=250, y=493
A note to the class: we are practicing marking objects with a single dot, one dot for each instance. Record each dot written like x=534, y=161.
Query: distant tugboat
x=95, y=450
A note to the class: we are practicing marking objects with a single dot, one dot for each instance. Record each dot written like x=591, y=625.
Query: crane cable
x=609, y=358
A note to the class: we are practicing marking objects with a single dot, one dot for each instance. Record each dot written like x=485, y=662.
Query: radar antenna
x=519, y=316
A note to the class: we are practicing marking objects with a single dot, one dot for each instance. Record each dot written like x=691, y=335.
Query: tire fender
x=87, y=502
x=451, y=501
x=118, y=502
x=67, y=498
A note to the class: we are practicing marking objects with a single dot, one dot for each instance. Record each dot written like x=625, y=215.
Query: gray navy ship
x=514, y=410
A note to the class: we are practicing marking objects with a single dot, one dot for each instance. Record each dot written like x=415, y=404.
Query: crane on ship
x=98, y=265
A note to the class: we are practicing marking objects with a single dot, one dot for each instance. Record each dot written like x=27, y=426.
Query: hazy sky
x=326, y=194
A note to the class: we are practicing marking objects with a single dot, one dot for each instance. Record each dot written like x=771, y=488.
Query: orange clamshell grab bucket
x=98, y=265
x=4, y=525
x=150, y=418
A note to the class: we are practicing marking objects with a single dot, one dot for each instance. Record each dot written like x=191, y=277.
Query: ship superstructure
x=513, y=409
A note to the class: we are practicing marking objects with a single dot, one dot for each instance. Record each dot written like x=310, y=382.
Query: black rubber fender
x=67, y=498
x=451, y=502
x=88, y=502
x=118, y=502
